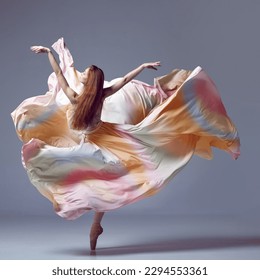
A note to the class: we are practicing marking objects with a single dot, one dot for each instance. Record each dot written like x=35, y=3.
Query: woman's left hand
x=40, y=49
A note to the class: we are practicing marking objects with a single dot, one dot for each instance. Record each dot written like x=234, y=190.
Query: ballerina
x=81, y=158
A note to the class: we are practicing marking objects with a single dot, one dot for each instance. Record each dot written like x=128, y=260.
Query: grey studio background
x=211, y=209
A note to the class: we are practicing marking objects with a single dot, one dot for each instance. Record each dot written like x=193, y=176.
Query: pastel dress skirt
x=147, y=135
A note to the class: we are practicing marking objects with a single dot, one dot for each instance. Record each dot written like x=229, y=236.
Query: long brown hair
x=89, y=100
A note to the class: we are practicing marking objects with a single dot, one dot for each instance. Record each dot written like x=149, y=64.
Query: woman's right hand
x=151, y=65
x=40, y=49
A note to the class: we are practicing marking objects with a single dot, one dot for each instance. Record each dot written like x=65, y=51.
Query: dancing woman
x=81, y=163
x=88, y=106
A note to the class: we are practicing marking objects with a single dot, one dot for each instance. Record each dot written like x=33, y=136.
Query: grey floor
x=131, y=237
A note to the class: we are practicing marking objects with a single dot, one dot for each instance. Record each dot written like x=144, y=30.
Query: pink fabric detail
x=31, y=149
x=206, y=91
x=81, y=175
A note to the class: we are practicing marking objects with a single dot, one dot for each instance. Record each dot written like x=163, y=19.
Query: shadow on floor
x=168, y=245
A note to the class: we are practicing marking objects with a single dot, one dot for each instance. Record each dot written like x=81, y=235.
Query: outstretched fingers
x=39, y=49
x=152, y=65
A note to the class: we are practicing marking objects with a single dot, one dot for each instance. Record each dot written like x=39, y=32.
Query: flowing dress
x=145, y=138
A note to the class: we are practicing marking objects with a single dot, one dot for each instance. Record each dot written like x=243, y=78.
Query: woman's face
x=83, y=77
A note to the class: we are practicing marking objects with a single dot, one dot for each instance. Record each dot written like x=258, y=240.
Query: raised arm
x=71, y=94
x=128, y=77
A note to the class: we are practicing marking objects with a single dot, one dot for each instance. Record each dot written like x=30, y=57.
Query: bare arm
x=71, y=94
x=128, y=77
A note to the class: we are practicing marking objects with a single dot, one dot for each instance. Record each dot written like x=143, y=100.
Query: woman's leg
x=96, y=229
x=98, y=217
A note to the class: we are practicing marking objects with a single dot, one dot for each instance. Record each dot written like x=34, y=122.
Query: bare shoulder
x=72, y=95
x=107, y=92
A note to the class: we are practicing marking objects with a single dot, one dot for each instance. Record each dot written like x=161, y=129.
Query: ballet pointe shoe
x=96, y=230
